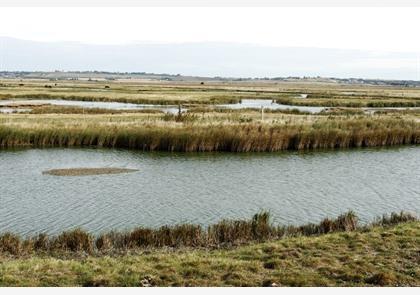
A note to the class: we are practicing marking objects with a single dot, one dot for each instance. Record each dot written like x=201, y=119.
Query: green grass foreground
x=335, y=252
x=381, y=256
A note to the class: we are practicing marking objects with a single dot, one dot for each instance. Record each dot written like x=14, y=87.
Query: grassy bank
x=382, y=254
x=226, y=233
x=247, y=137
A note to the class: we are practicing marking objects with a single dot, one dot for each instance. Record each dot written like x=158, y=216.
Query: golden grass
x=208, y=136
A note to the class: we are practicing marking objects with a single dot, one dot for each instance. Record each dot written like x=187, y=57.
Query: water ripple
x=201, y=188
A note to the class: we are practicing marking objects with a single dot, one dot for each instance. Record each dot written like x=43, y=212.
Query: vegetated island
x=87, y=171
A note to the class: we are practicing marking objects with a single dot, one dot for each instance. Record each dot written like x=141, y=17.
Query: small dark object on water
x=87, y=171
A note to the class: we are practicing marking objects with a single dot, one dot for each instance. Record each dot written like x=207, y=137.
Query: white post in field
x=262, y=113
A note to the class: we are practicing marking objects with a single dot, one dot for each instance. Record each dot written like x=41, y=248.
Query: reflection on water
x=88, y=104
x=14, y=110
x=201, y=188
x=270, y=104
x=10, y=106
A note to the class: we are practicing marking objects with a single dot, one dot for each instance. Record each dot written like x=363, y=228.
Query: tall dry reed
x=248, y=137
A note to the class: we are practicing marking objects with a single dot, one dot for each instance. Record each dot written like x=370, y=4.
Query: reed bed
x=226, y=233
x=246, y=137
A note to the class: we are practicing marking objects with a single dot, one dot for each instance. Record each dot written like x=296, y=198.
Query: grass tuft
x=10, y=244
x=75, y=241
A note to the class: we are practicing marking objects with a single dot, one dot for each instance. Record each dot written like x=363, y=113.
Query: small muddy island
x=87, y=171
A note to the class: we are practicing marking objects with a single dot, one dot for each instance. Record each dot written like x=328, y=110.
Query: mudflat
x=87, y=171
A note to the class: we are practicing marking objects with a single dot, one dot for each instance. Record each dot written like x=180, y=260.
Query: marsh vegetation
x=205, y=128
x=191, y=93
x=170, y=134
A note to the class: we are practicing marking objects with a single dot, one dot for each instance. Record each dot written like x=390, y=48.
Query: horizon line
x=267, y=78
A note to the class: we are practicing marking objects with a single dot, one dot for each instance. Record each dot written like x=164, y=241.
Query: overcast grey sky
x=241, y=42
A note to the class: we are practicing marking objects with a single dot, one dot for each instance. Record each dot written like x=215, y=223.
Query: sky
x=388, y=36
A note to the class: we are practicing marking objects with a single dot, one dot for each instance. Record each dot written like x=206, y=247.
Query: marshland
x=201, y=164
x=203, y=126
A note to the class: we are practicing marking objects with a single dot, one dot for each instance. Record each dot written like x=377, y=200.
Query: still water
x=6, y=104
x=203, y=188
x=10, y=106
x=269, y=104
x=244, y=104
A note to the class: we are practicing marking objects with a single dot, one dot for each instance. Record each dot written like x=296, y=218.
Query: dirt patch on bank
x=87, y=171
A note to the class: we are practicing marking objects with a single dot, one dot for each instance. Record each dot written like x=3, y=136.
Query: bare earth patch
x=87, y=171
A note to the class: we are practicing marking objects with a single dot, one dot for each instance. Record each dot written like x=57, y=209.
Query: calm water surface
x=244, y=104
x=84, y=104
x=5, y=105
x=201, y=188
x=269, y=104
